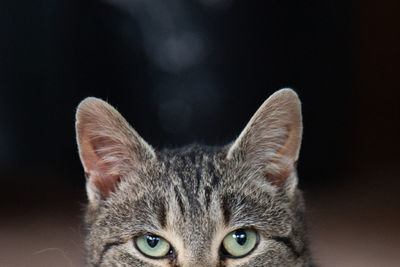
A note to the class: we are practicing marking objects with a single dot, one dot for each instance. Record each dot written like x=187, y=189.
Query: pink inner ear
x=99, y=175
x=99, y=172
x=280, y=173
x=105, y=183
x=285, y=159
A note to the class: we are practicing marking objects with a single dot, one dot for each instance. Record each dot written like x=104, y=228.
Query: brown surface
x=357, y=224
x=42, y=240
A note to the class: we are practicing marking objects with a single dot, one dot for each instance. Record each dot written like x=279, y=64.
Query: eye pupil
x=152, y=240
x=240, y=237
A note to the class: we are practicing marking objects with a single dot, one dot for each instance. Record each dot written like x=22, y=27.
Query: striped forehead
x=192, y=176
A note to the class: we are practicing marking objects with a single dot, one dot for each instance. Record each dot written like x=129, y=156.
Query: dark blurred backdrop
x=184, y=71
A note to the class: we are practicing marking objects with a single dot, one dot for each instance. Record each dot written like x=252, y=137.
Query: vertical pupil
x=240, y=236
x=152, y=240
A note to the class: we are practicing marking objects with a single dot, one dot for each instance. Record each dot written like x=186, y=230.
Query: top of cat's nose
x=198, y=263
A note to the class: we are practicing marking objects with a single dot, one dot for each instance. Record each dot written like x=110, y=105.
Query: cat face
x=236, y=205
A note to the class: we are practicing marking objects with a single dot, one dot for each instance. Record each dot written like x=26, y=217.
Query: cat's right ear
x=108, y=147
x=270, y=142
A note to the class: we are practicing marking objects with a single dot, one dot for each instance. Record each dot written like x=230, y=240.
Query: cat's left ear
x=109, y=147
x=271, y=140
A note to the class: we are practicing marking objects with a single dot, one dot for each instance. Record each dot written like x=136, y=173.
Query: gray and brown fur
x=194, y=196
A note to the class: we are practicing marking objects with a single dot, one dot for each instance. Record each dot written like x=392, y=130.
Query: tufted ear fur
x=271, y=140
x=108, y=147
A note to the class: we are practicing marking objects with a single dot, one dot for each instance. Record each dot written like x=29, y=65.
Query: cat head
x=236, y=205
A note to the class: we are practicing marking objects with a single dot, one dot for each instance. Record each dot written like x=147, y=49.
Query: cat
x=235, y=205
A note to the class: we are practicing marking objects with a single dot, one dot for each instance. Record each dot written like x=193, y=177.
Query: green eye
x=153, y=246
x=239, y=243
